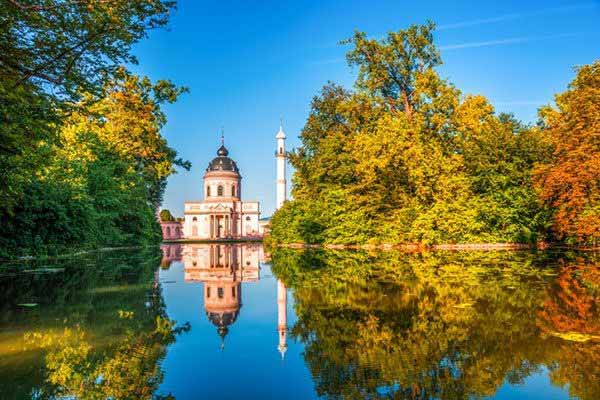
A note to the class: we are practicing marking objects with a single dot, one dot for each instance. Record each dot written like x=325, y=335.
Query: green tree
x=51, y=52
x=406, y=157
x=105, y=177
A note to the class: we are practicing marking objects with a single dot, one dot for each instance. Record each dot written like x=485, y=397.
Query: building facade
x=222, y=214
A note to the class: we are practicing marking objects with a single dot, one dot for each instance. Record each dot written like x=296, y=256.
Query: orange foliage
x=570, y=182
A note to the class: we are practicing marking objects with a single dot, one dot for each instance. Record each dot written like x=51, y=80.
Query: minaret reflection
x=222, y=268
x=282, y=318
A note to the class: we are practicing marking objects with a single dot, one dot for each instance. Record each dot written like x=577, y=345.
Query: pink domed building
x=222, y=214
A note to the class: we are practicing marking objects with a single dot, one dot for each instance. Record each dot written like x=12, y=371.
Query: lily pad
x=28, y=305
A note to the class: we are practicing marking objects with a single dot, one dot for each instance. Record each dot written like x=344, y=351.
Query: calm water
x=229, y=322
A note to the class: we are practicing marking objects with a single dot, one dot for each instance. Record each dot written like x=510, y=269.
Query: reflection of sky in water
x=536, y=386
x=250, y=365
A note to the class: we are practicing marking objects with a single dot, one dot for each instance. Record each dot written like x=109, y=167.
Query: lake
x=234, y=321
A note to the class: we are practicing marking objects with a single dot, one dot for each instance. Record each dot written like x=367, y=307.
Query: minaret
x=280, y=157
x=282, y=318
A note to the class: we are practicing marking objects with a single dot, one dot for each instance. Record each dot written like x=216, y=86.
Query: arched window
x=247, y=218
x=281, y=150
x=208, y=292
x=194, y=219
x=232, y=190
x=220, y=293
x=220, y=190
x=168, y=231
x=208, y=191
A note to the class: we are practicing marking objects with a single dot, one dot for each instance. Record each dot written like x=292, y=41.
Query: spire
x=222, y=330
x=222, y=136
x=281, y=133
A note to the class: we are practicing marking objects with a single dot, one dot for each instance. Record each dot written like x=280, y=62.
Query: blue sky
x=247, y=63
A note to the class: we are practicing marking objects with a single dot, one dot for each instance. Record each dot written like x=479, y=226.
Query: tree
x=104, y=179
x=51, y=52
x=73, y=45
x=406, y=157
x=388, y=67
x=166, y=216
x=570, y=181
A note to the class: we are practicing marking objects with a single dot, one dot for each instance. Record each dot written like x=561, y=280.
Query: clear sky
x=247, y=63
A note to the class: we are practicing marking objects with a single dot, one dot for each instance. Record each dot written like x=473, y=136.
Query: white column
x=280, y=157
x=282, y=318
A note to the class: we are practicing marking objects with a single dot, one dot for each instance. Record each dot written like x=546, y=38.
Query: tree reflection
x=442, y=325
x=99, y=331
x=571, y=311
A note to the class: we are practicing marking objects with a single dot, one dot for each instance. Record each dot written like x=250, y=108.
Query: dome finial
x=222, y=152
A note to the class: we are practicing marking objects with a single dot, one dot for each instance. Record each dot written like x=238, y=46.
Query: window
x=208, y=292
x=233, y=292
x=220, y=292
x=220, y=190
x=168, y=231
x=232, y=190
x=281, y=150
x=247, y=218
x=194, y=219
x=208, y=191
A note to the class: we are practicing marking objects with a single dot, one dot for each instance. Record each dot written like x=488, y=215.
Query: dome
x=222, y=162
x=222, y=321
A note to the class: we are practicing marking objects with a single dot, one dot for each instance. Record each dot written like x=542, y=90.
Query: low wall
x=171, y=230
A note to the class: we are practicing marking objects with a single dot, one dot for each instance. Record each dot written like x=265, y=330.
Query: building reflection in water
x=222, y=268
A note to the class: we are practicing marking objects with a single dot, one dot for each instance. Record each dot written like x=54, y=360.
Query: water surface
x=231, y=321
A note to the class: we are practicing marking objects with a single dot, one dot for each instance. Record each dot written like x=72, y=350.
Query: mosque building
x=222, y=268
x=222, y=214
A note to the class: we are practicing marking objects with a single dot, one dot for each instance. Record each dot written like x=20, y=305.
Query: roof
x=222, y=162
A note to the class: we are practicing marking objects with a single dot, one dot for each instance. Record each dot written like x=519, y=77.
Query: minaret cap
x=281, y=133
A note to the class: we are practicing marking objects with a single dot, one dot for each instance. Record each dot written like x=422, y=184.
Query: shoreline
x=417, y=247
x=67, y=255
x=238, y=240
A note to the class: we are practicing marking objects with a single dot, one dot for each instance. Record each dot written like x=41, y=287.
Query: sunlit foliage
x=406, y=157
x=82, y=159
